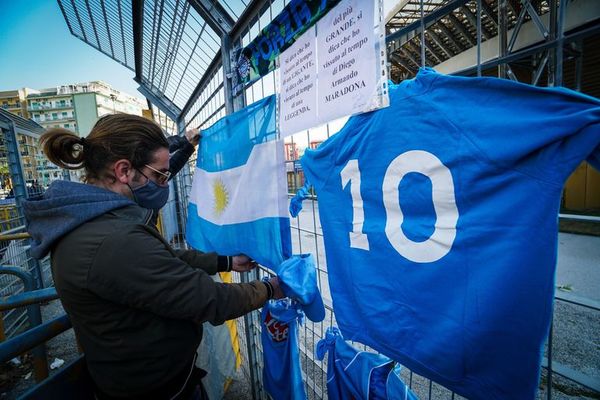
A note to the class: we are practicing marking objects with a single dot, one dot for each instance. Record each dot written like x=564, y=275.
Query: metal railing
x=30, y=300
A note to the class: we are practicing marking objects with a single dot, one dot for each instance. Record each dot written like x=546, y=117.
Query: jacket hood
x=62, y=208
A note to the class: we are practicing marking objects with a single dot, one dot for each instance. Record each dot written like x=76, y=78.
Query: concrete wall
x=86, y=112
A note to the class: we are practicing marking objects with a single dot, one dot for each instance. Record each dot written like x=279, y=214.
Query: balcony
x=54, y=120
x=40, y=107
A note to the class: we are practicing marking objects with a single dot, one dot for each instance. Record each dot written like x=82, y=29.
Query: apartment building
x=76, y=107
x=14, y=101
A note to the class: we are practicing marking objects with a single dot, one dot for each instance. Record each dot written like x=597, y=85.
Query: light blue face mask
x=151, y=195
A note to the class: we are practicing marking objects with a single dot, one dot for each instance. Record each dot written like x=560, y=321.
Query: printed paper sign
x=335, y=70
x=347, y=60
x=298, y=93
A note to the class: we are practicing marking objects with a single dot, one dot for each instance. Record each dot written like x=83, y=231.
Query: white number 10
x=351, y=175
x=444, y=203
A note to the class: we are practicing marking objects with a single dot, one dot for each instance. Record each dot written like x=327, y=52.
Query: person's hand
x=277, y=292
x=193, y=136
x=242, y=263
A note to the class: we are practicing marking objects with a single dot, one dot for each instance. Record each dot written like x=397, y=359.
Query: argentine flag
x=238, y=202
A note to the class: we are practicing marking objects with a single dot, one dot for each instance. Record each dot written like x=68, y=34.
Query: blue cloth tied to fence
x=354, y=374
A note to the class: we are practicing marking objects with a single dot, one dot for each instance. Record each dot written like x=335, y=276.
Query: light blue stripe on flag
x=270, y=235
x=237, y=132
x=238, y=202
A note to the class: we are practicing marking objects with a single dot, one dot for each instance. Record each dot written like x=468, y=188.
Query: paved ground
x=579, y=264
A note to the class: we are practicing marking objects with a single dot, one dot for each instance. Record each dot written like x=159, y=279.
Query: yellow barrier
x=15, y=236
x=9, y=217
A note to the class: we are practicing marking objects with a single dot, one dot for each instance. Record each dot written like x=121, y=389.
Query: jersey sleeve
x=541, y=132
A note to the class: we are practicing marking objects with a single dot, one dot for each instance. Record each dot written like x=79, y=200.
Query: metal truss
x=173, y=46
x=454, y=26
x=181, y=50
x=10, y=126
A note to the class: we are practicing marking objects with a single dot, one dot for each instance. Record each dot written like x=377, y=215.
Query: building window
x=67, y=125
x=54, y=115
x=64, y=114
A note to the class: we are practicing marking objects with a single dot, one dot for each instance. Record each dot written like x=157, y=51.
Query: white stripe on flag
x=252, y=191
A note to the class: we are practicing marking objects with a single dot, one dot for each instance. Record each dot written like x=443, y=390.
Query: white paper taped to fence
x=298, y=89
x=335, y=69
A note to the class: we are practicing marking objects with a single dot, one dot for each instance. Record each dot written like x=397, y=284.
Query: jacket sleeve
x=180, y=151
x=147, y=275
x=211, y=263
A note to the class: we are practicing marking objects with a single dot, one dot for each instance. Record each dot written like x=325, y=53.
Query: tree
x=5, y=175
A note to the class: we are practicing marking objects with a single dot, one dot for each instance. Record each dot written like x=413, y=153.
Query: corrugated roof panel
x=103, y=24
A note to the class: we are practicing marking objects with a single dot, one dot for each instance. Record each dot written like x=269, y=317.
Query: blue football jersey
x=396, y=388
x=282, y=374
x=439, y=216
x=353, y=374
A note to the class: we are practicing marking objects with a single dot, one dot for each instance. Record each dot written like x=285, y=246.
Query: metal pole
x=15, y=167
x=423, y=62
x=549, y=374
x=233, y=104
x=502, y=35
x=37, y=275
x=578, y=65
x=226, y=61
x=553, y=52
x=478, y=38
x=250, y=344
x=562, y=10
x=40, y=360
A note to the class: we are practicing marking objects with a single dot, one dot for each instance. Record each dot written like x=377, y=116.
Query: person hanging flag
x=238, y=201
x=439, y=218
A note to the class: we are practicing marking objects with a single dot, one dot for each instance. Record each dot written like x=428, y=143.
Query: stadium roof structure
x=173, y=46
x=181, y=50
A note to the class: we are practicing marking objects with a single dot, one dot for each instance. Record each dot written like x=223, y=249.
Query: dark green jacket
x=136, y=303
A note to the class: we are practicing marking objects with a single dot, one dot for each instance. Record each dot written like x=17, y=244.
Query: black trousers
x=187, y=385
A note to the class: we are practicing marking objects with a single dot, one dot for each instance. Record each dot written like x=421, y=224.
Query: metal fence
x=24, y=178
x=565, y=380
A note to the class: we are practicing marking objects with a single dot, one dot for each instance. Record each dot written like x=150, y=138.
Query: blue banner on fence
x=258, y=58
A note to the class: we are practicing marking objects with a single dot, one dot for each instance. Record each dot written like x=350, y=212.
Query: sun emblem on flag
x=221, y=196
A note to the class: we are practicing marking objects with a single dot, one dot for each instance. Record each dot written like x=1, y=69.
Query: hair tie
x=83, y=142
